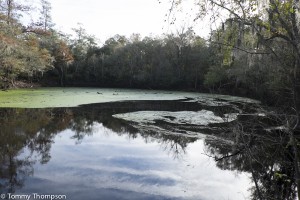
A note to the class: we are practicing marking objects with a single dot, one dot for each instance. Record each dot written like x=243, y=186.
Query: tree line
x=28, y=51
x=251, y=53
x=171, y=61
x=36, y=52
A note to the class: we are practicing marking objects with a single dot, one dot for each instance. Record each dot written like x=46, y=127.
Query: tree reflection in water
x=27, y=136
x=267, y=154
x=21, y=130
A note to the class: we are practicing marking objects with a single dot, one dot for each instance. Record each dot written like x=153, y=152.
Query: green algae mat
x=72, y=97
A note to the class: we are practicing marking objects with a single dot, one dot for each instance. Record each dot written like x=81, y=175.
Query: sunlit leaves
x=62, y=53
x=21, y=53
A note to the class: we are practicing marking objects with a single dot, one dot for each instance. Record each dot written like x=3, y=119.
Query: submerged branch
x=224, y=157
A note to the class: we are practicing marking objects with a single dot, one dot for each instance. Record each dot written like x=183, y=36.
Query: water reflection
x=264, y=153
x=116, y=159
x=20, y=132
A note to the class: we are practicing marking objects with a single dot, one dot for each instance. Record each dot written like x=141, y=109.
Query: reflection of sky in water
x=108, y=166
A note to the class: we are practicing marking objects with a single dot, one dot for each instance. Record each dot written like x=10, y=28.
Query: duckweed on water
x=203, y=117
x=72, y=97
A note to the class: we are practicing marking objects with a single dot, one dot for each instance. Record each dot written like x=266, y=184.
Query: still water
x=111, y=166
x=171, y=149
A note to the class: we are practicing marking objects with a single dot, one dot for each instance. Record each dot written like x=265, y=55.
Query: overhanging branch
x=241, y=49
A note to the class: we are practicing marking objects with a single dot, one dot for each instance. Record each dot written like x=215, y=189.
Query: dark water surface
x=96, y=152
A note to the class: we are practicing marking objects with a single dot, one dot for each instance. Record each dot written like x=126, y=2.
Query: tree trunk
x=61, y=76
x=196, y=78
x=296, y=161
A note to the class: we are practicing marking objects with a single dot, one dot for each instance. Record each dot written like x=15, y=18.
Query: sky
x=106, y=18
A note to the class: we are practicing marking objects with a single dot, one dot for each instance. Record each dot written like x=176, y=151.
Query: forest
x=250, y=53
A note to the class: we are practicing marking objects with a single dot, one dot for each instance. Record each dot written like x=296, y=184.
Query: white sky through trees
x=105, y=18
